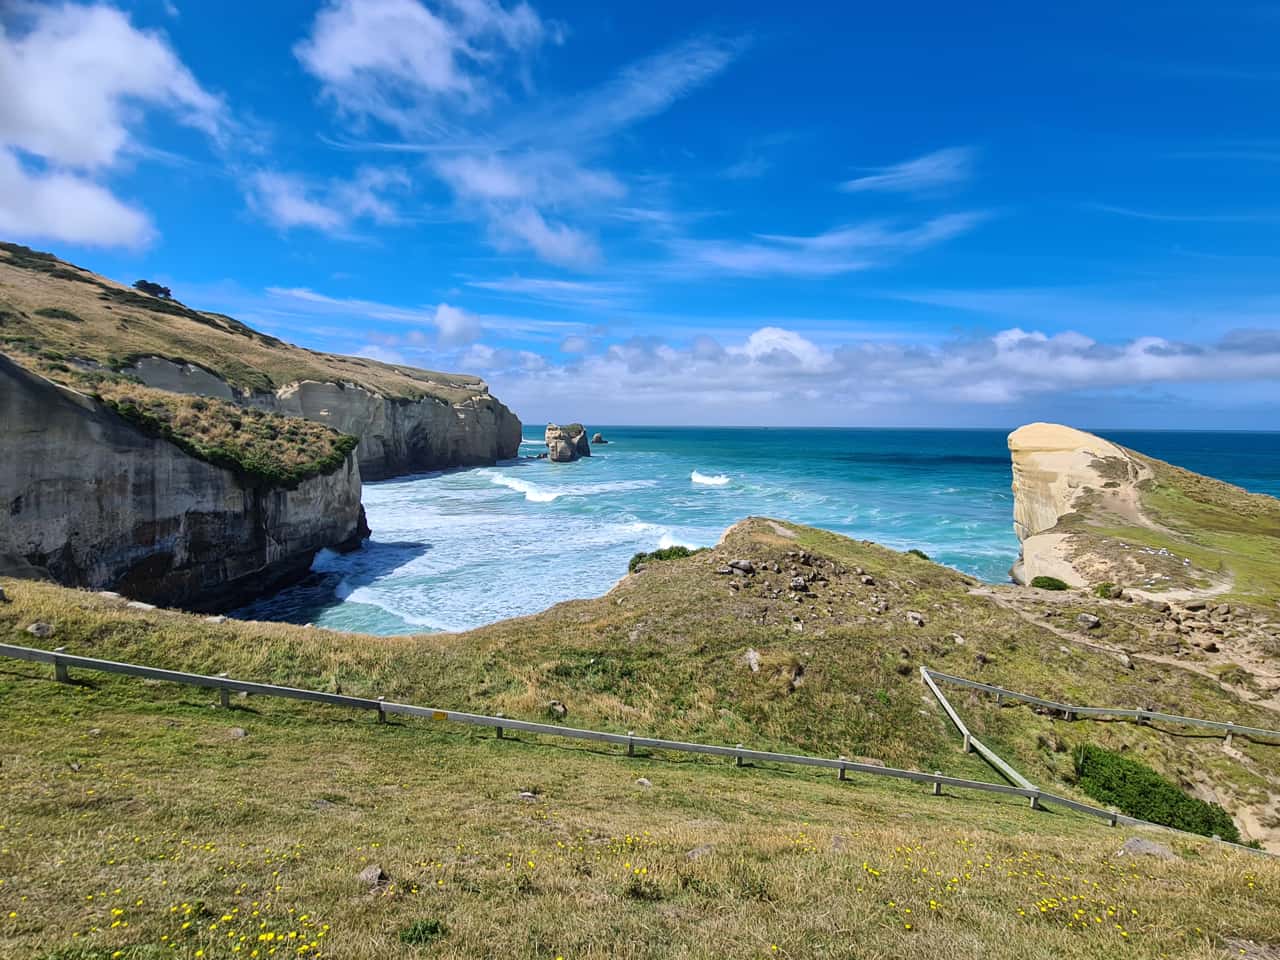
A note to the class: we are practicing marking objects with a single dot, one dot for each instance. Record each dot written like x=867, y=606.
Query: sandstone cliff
x=397, y=434
x=95, y=502
x=567, y=443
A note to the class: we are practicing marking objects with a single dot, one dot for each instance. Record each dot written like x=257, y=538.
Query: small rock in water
x=41, y=629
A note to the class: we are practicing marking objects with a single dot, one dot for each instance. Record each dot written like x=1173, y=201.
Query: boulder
x=598, y=438
x=1141, y=847
x=743, y=566
x=644, y=783
x=41, y=629
x=567, y=443
x=557, y=709
x=917, y=619
x=1088, y=621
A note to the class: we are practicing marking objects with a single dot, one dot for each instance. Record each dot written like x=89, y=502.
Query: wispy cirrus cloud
x=78, y=84
x=1156, y=216
x=841, y=250
x=597, y=294
x=288, y=200
x=933, y=171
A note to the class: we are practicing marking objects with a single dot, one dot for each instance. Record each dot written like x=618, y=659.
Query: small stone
x=237, y=733
x=867, y=580
x=1088, y=621
x=4, y=597
x=528, y=796
x=1210, y=647
x=799, y=585
x=373, y=876
x=1063, y=649
x=139, y=605
x=743, y=566
x=1194, y=605
x=752, y=660
x=1159, y=606
x=916, y=618
x=1125, y=661
x=724, y=571
x=557, y=709
x=221, y=619
x=108, y=594
x=95, y=732
x=644, y=783
x=1141, y=847
x=41, y=629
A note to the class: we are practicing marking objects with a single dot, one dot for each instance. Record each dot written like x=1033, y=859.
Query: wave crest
x=717, y=480
x=532, y=492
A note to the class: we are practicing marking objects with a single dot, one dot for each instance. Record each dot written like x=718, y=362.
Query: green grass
x=1049, y=583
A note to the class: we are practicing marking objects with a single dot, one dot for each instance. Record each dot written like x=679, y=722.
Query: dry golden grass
x=50, y=306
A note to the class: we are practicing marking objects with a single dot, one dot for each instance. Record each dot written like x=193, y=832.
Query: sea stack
x=567, y=443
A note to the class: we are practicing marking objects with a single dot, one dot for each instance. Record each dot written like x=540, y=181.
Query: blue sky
x=824, y=214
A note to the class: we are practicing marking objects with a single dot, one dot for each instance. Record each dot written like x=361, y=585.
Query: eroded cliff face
x=97, y=503
x=1058, y=471
x=397, y=435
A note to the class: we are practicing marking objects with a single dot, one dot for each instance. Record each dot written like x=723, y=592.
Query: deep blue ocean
x=458, y=549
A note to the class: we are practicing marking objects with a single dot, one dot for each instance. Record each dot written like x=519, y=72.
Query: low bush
x=1104, y=590
x=918, y=553
x=1049, y=583
x=57, y=313
x=1134, y=788
x=666, y=553
x=422, y=932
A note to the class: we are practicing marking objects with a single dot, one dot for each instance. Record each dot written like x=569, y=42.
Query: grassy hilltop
x=86, y=331
x=249, y=826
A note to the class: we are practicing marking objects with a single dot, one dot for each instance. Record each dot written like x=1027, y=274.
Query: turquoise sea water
x=458, y=549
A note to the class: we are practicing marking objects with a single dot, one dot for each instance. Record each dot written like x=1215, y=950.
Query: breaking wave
x=718, y=480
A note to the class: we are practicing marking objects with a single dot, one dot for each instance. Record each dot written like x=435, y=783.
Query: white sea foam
x=718, y=480
x=532, y=492
x=667, y=540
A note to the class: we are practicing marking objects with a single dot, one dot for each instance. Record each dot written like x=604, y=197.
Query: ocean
x=458, y=549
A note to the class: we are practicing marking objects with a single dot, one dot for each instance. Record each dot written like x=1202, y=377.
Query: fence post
x=631, y=747
x=738, y=760
x=60, y=668
x=843, y=761
x=999, y=699
x=224, y=695
x=1230, y=734
x=1142, y=718
x=1035, y=801
x=382, y=714
x=937, y=784
x=968, y=745
x=1113, y=819
x=500, y=716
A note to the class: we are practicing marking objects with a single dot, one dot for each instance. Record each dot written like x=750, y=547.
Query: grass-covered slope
x=56, y=310
x=317, y=794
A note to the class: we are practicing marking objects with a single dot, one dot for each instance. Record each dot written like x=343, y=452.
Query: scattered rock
x=743, y=566
x=598, y=438
x=528, y=796
x=867, y=580
x=75, y=767
x=139, y=605
x=557, y=709
x=1062, y=648
x=752, y=659
x=1194, y=605
x=1210, y=647
x=219, y=618
x=697, y=853
x=724, y=571
x=916, y=618
x=41, y=629
x=4, y=597
x=1125, y=661
x=799, y=585
x=1251, y=949
x=1159, y=606
x=373, y=876
x=644, y=783
x=1088, y=621
x=95, y=732
x=238, y=733
x=1141, y=847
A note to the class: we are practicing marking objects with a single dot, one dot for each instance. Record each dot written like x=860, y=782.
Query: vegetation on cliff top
x=48, y=304
x=135, y=803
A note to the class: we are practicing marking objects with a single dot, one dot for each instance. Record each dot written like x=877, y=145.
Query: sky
x=913, y=214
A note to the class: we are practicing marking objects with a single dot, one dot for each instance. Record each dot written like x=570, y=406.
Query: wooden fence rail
x=63, y=662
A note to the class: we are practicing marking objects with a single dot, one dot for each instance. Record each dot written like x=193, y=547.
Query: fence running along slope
x=62, y=663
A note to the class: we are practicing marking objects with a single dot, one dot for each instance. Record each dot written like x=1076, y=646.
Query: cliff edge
x=1088, y=511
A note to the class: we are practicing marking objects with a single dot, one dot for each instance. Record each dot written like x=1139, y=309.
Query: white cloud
x=288, y=200
x=66, y=207
x=405, y=64
x=764, y=376
x=580, y=293
x=556, y=243
x=942, y=168
x=76, y=81
x=456, y=326
x=842, y=250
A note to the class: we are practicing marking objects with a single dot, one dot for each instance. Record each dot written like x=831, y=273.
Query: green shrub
x=918, y=553
x=1104, y=590
x=422, y=932
x=666, y=553
x=1049, y=583
x=1136, y=789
